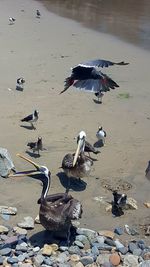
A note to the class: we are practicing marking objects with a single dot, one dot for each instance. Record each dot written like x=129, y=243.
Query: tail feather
x=68, y=82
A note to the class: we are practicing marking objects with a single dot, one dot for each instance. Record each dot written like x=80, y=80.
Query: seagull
x=36, y=146
x=119, y=203
x=87, y=77
x=32, y=118
x=20, y=83
x=38, y=14
x=101, y=134
x=11, y=20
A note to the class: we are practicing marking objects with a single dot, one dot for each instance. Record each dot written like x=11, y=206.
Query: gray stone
x=100, y=239
x=22, y=248
x=12, y=240
x=110, y=242
x=1, y=260
x=132, y=246
x=145, y=264
x=118, y=244
x=28, y=223
x=74, y=250
x=3, y=229
x=102, y=246
x=87, y=232
x=63, y=257
x=48, y=261
x=119, y=231
x=36, y=249
x=123, y=250
x=12, y=260
x=95, y=251
x=86, y=260
x=38, y=260
x=137, y=252
x=8, y=210
x=20, y=231
x=79, y=244
x=63, y=248
x=81, y=238
x=102, y=258
x=5, y=251
x=130, y=260
x=22, y=257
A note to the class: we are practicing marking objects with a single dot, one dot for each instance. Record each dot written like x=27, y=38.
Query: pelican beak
x=30, y=161
x=80, y=144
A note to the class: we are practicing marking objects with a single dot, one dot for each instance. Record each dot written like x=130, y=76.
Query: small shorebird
x=31, y=118
x=57, y=210
x=119, y=203
x=77, y=165
x=38, y=14
x=87, y=76
x=20, y=84
x=36, y=146
x=11, y=20
x=101, y=135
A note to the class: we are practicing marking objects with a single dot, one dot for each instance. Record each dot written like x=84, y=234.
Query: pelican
x=87, y=76
x=78, y=164
x=36, y=146
x=32, y=118
x=57, y=210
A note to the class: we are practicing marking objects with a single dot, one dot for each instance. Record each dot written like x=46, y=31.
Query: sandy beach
x=42, y=51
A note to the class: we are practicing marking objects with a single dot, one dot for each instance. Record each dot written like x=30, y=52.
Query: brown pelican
x=78, y=164
x=57, y=210
x=86, y=76
x=36, y=146
x=32, y=118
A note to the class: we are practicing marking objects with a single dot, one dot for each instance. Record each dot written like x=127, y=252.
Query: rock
x=3, y=229
x=5, y=251
x=74, y=250
x=130, y=260
x=12, y=240
x=22, y=247
x=132, y=246
x=114, y=259
x=1, y=260
x=145, y=264
x=74, y=257
x=119, y=231
x=79, y=244
x=28, y=223
x=8, y=210
x=36, y=249
x=38, y=260
x=137, y=252
x=21, y=257
x=102, y=258
x=107, y=233
x=63, y=248
x=108, y=208
x=102, y=246
x=82, y=238
x=118, y=244
x=131, y=204
x=19, y=230
x=47, y=250
x=12, y=260
x=62, y=257
x=146, y=256
x=48, y=261
x=87, y=232
x=54, y=247
x=147, y=204
x=123, y=250
x=100, y=239
x=95, y=251
x=86, y=260
x=79, y=264
x=110, y=242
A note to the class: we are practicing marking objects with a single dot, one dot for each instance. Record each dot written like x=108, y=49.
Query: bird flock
x=58, y=210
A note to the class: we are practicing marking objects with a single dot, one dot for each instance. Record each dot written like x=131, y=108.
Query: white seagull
x=11, y=20
x=101, y=135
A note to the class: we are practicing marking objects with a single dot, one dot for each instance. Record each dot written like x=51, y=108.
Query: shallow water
x=128, y=20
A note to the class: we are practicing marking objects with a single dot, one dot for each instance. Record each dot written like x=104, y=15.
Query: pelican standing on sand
x=77, y=165
x=57, y=210
x=31, y=118
x=87, y=76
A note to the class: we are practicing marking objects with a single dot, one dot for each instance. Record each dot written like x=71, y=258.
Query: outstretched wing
x=101, y=63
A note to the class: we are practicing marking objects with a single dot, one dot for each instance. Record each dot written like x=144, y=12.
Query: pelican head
x=80, y=145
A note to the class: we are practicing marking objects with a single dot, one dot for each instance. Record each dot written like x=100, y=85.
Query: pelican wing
x=101, y=63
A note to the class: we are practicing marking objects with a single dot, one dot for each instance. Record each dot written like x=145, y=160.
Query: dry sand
x=42, y=51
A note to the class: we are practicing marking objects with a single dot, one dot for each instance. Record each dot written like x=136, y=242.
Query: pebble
x=87, y=232
x=1, y=260
x=114, y=259
x=119, y=231
x=8, y=210
x=38, y=260
x=74, y=250
x=27, y=223
x=132, y=246
x=86, y=260
x=74, y=257
x=145, y=264
x=81, y=238
x=12, y=260
x=22, y=257
x=107, y=233
x=79, y=264
x=79, y=244
x=36, y=249
x=3, y=229
x=137, y=252
x=130, y=260
x=20, y=231
x=47, y=250
x=123, y=250
x=5, y=251
x=102, y=258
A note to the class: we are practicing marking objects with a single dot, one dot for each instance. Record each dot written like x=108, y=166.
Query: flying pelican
x=32, y=118
x=57, y=210
x=101, y=135
x=36, y=146
x=11, y=20
x=78, y=164
x=87, y=76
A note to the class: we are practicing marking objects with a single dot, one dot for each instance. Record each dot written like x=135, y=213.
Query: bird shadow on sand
x=75, y=183
x=46, y=237
x=97, y=101
x=27, y=127
x=32, y=154
x=98, y=144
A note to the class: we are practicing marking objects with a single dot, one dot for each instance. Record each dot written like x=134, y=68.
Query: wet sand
x=42, y=51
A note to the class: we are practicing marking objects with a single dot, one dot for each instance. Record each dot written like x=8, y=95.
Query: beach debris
x=130, y=230
x=101, y=135
x=31, y=118
x=86, y=76
x=20, y=84
x=131, y=203
x=27, y=223
x=38, y=14
x=11, y=20
x=6, y=163
x=36, y=146
x=8, y=210
x=147, y=204
x=107, y=233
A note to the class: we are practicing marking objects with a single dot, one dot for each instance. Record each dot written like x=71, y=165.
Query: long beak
x=24, y=173
x=80, y=143
x=30, y=161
